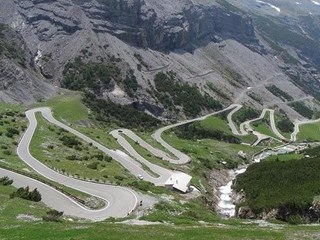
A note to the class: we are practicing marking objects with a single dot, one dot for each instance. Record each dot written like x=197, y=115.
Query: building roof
x=179, y=181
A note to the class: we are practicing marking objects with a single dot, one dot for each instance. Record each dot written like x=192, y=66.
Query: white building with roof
x=179, y=181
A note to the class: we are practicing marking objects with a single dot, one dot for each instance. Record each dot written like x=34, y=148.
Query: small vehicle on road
x=140, y=176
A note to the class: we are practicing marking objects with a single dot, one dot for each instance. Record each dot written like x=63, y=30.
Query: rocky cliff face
x=138, y=23
x=17, y=83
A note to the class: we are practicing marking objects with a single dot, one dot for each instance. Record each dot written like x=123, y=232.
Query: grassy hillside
x=61, y=150
x=263, y=126
x=209, y=153
x=309, y=132
x=206, y=154
x=68, y=107
x=284, y=124
x=15, y=226
x=12, y=126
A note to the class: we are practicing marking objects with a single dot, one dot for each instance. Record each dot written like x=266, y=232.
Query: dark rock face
x=143, y=106
x=136, y=23
x=46, y=14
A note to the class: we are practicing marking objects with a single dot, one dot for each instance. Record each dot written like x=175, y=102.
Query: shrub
x=244, y=114
x=165, y=206
x=53, y=216
x=85, y=158
x=120, y=178
x=77, y=147
x=99, y=156
x=255, y=97
x=24, y=193
x=196, y=131
x=93, y=165
x=7, y=152
x=5, y=181
x=107, y=158
x=130, y=84
x=141, y=185
x=71, y=157
x=69, y=141
x=13, y=131
x=10, y=113
x=97, y=77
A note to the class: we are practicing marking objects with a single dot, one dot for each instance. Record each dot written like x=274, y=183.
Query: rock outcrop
x=18, y=85
x=18, y=82
x=292, y=214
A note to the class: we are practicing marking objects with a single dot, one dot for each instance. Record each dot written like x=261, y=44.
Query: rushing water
x=226, y=205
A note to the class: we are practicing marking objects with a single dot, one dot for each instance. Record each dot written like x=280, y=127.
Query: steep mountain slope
x=227, y=53
x=17, y=82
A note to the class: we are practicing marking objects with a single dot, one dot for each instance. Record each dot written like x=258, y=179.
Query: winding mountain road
x=232, y=124
x=164, y=174
x=112, y=195
x=57, y=200
x=246, y=127
x=120, y=201
x=273, y=125
x=183, y=157
x=297, y=125
x=180, y=157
